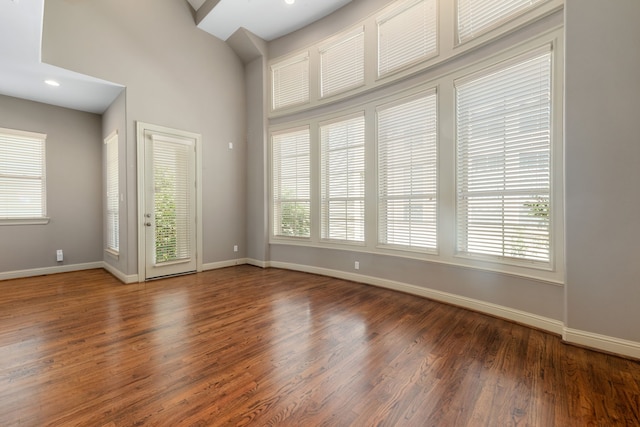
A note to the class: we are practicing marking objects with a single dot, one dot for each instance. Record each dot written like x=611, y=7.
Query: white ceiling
x=22, y=74
x=268, y=19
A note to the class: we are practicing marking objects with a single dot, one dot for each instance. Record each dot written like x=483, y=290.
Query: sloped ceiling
x=268, y=19
x=22, y=74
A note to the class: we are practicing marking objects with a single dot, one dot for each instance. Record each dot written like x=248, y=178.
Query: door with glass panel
x=169, y=208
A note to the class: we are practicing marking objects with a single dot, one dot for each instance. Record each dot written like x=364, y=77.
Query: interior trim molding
x=602, y=342
x=589, y=340
x=223, y=264
x=124, y=278
x=258, y=263
x=529, y=319
x=32, y=272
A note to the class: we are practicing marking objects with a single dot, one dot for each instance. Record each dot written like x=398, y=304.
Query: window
x=290, y=82
x=407, y=173
x=291, y=181
x=342, y=149
x=478, y=16
x=22, y=176
x=435, y=150
x=504, y=148
x=173, y=197
x=113, y=217
x=406, y=35
x=342, y=64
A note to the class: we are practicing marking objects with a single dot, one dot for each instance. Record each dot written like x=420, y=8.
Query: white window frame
x=512, y=189
x=448, y=48
x=327, y=181
x=302, y=95
x=446, y=253
x=395, y=14
x=112, y=194
x=502, y=11
x=37, y=173
x=277, y=198
x=398, y=188
x=345, y=70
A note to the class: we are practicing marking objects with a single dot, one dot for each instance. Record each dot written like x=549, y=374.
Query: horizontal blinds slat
x=406, y=35
x=407, y=173
x=113, y=238
x=342, y=179
x=291, y=183
x=342, y=65
x=22, y=174
x=290, y=82
x=172, y=191
x=503, y=167
x=477, y=16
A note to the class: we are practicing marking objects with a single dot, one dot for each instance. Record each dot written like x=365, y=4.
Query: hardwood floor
x=245, y=346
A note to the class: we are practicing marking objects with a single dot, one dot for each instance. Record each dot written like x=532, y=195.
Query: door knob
x=148, y=224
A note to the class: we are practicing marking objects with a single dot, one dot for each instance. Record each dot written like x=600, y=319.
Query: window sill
x=113, y=253
x=24, y=221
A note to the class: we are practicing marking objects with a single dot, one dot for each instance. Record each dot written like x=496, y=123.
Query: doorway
x=168, y=202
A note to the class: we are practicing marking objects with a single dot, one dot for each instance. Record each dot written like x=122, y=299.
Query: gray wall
x=176, y=76
x=602, y=104
x=74, y=188
x=257, y=215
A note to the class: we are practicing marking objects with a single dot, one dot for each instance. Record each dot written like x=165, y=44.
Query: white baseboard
x=124, y=278
x=258, y=263
x=602, y=342
x=533, y=320
x=32, y=272
x=223, y=264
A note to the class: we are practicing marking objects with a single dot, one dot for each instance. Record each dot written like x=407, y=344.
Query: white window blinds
x=407, y=173
x=407, y=35
x=290, y=80
x=22, y=175
x=343, y=178
x=342, y=64
x=172, y=199
x=503, y=164
x=474, y=17
x=113, y=220
x=291, y=183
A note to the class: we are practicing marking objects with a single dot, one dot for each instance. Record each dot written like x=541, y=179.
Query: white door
x=169, y=205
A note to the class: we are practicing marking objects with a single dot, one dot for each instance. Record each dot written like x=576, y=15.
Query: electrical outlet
x=59, y=255
x=235, y=248
x=231, y=146
x=357, y=265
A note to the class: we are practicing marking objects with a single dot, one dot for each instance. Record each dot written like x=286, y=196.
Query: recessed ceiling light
x=289, y=1
x=52, y=83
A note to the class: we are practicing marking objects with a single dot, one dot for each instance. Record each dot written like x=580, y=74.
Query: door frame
x=141, y=128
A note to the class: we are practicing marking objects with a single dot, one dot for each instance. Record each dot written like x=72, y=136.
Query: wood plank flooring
x=246, y=346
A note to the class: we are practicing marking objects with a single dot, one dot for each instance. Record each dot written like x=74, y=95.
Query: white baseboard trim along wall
x=551, y=325
x=602, y=342
x=572, y=336
x=223, y=264
x=18, y=274
x=124, y=278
